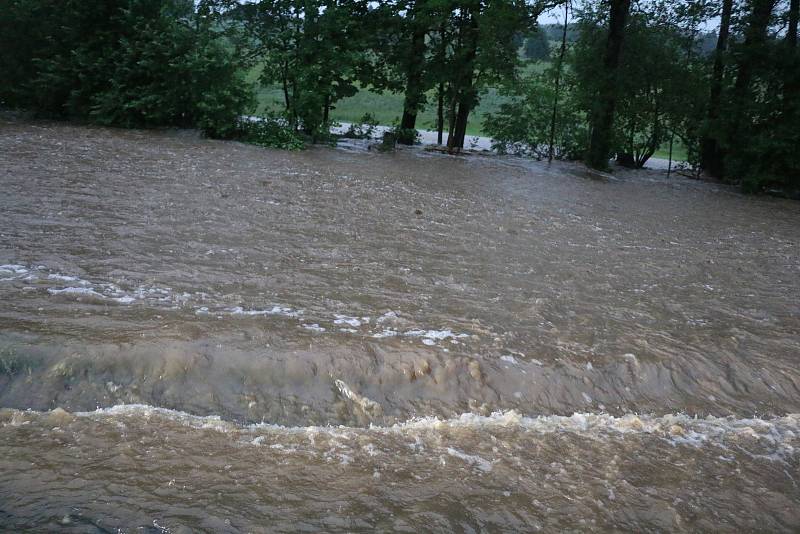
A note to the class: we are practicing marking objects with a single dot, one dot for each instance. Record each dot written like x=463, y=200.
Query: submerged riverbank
x=490, y=297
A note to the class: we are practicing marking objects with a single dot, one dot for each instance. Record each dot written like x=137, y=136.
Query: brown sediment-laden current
x=205, y=335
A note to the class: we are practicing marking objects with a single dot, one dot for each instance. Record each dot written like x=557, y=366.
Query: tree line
x=619, y=79
x=643, y=74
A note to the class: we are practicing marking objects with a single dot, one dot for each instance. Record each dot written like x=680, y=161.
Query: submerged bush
x=271, y=131
x=388, y=141
x=406, y=136
x=363, y=129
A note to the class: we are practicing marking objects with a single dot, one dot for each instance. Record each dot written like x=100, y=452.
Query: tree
x=791, y=83
x=396, y=58
x=537, y=47
x=455, y=47
x=749, y=54
x=710, y=154
x=559, y=68
x=523, y=125
x=483, y=52
x=137, y=63
x=602, y=118
x=414, y=67
x=312, y=49
x=760, y=136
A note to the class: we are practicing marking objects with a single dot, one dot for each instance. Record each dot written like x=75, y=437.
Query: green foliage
x=769, y=161
x=363, y=129
x=385, y=106
x=406, y=136
x=388, y=141
x=757, y=130
x=271, y=131
x=458, y=49
x=537, y=47
x=522, y=125
x=553, y=32
x=312, y=50
x=764, y=155
x=136, y=63
x=660, y=87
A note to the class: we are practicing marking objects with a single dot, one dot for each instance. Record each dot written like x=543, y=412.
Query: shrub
x=136, y=63
x=388, y=141
x=406, y=136
x=364, y=129
x=271, y=131
x=522, y=125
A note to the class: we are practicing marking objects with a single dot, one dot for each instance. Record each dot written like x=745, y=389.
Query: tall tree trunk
x=460, y=132
x=441, y=55
x=563, y=50
x=464, y=91
x=293, y=114
x=603, y=114
x=791, y=81
x=285, y=77
x=451, y=116
x=755, y=37
x=655, y=136
x=710, y=152
x=414, y=87
x=440, y=114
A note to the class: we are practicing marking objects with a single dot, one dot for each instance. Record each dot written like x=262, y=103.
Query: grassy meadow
x=387, y=108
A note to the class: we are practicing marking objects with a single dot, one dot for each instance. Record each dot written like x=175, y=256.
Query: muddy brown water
x=203, y=335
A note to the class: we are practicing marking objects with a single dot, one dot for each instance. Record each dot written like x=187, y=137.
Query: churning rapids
x=208, y=335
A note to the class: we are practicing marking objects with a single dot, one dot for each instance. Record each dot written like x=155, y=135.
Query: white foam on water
x=13, y=268
x=65, y=278
x=166, y=297
x=677, y=428
x=437, y=335
x=213, y=422
x=780, y=434
x=12, y=271
x=773, y=440
x=275, y=310
x=387, y=332
x=430, y=337
x=477, y=461
x=346, y=319
x=388, y=316
x=103, y=290
x=87, y=291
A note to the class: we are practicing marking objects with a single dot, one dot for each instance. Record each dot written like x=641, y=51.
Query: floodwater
x=203, y=335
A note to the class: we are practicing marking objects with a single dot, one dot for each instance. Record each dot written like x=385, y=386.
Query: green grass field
x=678, y=151
x=387, y=108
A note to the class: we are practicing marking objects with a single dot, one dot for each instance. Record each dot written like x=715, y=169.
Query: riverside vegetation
x=719, y=80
